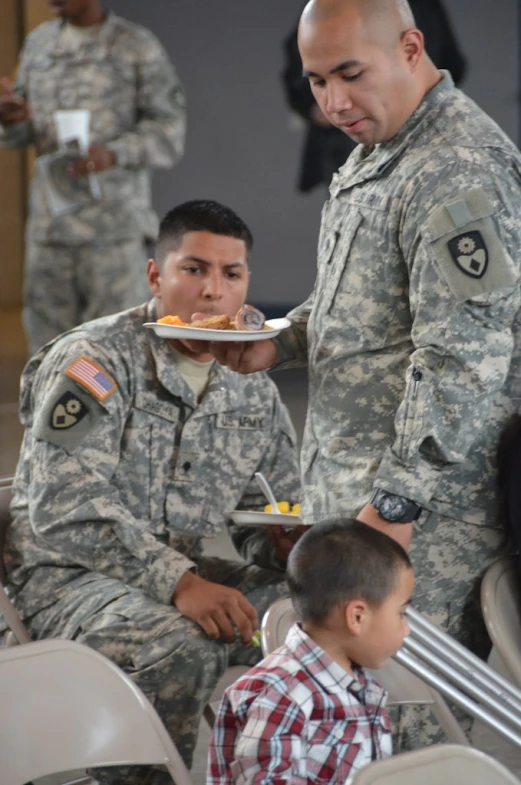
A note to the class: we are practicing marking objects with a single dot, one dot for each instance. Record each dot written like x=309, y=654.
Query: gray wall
x=241, y=148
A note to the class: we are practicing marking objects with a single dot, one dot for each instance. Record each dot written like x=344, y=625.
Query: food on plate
x=172, y=320
x=249, y=318
x=246, y=318
x=284, y=507
x=214, y=323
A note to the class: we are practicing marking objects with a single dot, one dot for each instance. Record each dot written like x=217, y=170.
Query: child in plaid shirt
x=309, y=712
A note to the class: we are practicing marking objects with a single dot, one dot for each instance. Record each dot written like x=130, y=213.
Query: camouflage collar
x=100, y=43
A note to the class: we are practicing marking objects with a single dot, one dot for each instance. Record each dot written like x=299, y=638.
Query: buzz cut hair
x=377, y=9
x=338, y=561
x=199, y=215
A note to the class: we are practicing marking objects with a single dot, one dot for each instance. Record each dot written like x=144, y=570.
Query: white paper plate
x=203, y=334
x=254, y=518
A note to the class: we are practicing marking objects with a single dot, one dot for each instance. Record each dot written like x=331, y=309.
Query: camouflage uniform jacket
x=122, y=472
x=412, y=331
x=123, y=76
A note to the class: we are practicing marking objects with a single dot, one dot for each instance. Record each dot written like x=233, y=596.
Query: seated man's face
x=206, y=273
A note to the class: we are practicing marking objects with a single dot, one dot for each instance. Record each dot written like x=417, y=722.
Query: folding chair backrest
x=501, y=605
x=402, y=685
x=68, y=707
x=446, y=764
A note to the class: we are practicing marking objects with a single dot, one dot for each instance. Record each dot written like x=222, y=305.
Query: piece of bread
x=221, y=322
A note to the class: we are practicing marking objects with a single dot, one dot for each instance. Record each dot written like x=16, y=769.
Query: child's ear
x=355, y=615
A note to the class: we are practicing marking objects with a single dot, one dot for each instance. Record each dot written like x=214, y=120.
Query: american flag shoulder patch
x=91, y=376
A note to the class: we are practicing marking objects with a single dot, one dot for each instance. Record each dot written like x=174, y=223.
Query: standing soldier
x=89, y=259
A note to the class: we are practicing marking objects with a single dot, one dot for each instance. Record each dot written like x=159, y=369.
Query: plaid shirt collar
x=329, y=674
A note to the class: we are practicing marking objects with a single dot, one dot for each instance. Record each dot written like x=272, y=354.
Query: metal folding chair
x=441, y=763
x=94, y=715
x=501, y=606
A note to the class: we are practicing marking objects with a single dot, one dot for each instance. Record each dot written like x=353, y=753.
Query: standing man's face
x=361, y=84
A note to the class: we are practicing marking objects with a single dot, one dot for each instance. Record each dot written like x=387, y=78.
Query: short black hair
x=340, y=560
x=199, y=215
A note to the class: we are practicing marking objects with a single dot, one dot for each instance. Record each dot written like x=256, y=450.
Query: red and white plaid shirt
x=298, y=717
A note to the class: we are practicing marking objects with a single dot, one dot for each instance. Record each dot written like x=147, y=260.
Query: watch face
x=392, y=508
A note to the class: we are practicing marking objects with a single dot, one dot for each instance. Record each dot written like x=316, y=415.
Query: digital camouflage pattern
x=68, y=285
x=121, y=475
x=412, y=340
x=123, y=76
x=413, y=360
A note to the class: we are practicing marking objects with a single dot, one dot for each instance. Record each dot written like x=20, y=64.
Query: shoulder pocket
x=463, y=241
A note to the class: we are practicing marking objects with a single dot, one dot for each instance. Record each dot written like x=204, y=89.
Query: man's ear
x=356, y=612
x=154, y=277
x=413, y=47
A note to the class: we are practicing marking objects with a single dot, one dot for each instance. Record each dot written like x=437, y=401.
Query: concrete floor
x=293, y=387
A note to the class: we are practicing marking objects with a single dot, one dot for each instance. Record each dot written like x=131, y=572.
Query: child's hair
x=340, y=560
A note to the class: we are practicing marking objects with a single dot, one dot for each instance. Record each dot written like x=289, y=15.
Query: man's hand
x=283, y=540
x=97, y=159
x=401, y=532
x=13, y=108
x=217, y=609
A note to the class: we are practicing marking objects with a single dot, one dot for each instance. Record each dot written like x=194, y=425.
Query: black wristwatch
x=393, y=508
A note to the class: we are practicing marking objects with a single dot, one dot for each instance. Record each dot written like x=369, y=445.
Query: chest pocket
x=333, y=746
x=150, y=442
x=334, y=251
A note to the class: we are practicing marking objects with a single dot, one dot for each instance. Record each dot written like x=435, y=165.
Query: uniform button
x=187, y=466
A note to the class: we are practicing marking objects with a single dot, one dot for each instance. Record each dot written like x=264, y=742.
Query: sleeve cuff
x=164, y=574
x=416, y=481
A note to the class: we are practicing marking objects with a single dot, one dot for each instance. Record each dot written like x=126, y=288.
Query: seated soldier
x=134, y=450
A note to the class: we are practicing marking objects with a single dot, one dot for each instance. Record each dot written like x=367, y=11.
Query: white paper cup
x=73, y=124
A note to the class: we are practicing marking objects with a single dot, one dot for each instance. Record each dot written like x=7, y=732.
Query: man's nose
x=338, y=97
x=213, y=286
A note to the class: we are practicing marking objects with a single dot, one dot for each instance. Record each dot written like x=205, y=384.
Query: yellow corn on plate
x=284, y=507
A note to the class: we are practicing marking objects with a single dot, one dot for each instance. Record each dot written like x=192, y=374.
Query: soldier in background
x=325, y=146
x=90, y=260
x=412, y=333
x=134, y=450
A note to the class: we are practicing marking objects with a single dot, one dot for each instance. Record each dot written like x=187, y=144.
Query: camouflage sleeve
x=157, y=139
x=74, y=507
x=19, y=134
x=461, y=244
x=280, y=467
x=292, y=344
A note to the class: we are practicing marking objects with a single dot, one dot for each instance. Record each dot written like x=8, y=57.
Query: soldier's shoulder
x=41, y=35
x=110, y=341
x=462, y=130
x=136, y=38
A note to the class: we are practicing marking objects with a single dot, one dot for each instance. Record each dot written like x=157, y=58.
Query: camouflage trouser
x=67, y=285
x=167, y=655
x=449, y=559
